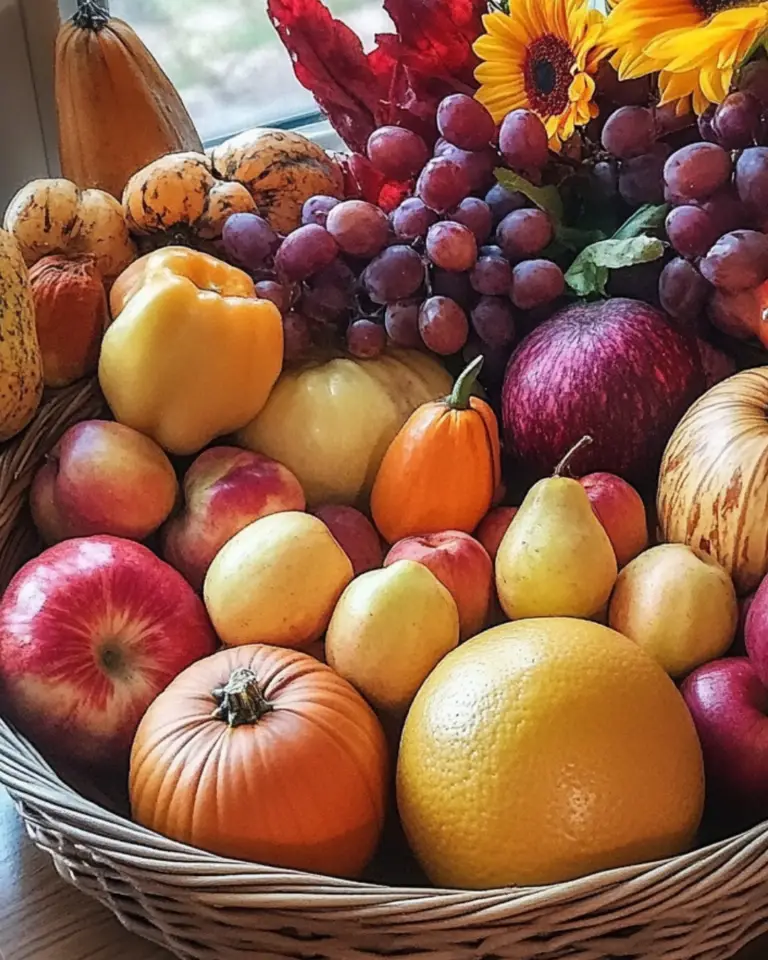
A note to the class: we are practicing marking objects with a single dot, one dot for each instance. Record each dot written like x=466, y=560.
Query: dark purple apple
x=729, y=706
x=616, y=370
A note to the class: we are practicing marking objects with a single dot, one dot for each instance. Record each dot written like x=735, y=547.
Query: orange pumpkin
x=265, y=754
x=443, y=467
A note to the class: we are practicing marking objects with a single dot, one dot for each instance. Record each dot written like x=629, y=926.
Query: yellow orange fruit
x=543, y=750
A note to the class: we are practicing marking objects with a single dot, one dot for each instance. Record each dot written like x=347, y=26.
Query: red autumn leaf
x=401, y=81
x=328, y=59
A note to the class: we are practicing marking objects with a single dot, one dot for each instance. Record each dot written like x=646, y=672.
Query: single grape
x=493, y=321
x=451, y=246
x=443, y=326
x=304, y=252
x=442, y=184
x=629, y=132
x=395, y=274
x=754, y=78
x=476, y=165
x=524, y=233
x=455, y=286
x=248, y=239
x=336, y=274
x=641, y=178
x=491, y=276
x=737, y=313
x=465, y=122
x=401, y=321
x=737, y=261
x=691, y=231
x=316, y=209
x=276, y=292
x=695, y=172
x=536, y=282
x=396, y=152
x=705, y=125
x=605, y=181
x=503, y=201
x=412, y=219
x=475, y=214
x=726, y=211
x=752, y=180
x=366, y=339
x=737, y=120
x=297, y=337
x=683, y=291
x=490, y=250
x=360, y=229
x=523, y=141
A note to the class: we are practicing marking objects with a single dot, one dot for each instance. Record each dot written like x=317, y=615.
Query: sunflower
x=694, y=45
x=542, y=56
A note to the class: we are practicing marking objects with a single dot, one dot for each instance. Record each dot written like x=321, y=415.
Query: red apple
x=756, y=631
x=491, y=529
x=355, y=533
x=461, y=564
x=103, y=478
x=90, y=632
x=225, y=489
x=729, y=706
x=621, y=511
x=616, y=370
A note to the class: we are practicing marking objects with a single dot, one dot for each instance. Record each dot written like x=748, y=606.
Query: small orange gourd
x=264, y=754
x=442, y=469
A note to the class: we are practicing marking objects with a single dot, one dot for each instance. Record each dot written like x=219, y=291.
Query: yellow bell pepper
x=192, y=354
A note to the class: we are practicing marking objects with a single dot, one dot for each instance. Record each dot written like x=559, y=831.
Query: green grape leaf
x=647, y=217
x=590, y=270
x=545, y=198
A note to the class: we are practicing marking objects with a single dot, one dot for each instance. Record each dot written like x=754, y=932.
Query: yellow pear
x=389, y=630
x=555, y=560
x=276, y=581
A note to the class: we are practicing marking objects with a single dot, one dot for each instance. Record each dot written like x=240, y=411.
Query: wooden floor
x=60, y=923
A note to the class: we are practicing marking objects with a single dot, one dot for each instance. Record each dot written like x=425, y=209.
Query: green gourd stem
x=241, y=699
x=465, y=384
x=90, y=15
x=584, y=442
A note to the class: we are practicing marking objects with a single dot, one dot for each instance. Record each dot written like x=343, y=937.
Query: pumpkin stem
x=240, y=700
x=584, y=442
x=465, y=384
x=90, y=15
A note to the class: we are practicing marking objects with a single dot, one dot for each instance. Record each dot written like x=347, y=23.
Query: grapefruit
x=543, y=750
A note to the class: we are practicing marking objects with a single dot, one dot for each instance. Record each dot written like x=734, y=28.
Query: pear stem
x=584, y=442
x=465, y=384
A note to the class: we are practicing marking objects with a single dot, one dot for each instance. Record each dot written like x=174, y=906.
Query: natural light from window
x=226, y=59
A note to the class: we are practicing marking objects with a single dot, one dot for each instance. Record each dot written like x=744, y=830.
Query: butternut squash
x=117, y=110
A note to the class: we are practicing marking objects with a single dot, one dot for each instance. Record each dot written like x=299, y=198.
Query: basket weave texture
x=704, y=905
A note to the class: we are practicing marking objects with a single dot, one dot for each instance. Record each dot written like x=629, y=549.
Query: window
x=225, y=59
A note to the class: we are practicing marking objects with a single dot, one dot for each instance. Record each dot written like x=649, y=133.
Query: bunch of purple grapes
x=717, y=187
x=450, y=270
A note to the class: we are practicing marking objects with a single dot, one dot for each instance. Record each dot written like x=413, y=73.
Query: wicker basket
x=705, y=904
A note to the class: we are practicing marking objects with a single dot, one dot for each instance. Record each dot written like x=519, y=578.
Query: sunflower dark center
x=547, y=72
x=710, y=7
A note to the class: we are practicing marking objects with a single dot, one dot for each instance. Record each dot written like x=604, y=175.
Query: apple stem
x=241, y=700
x=584, y=442
x=465, y=384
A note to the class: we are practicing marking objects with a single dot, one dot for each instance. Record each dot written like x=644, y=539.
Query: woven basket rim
x=31, y=780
